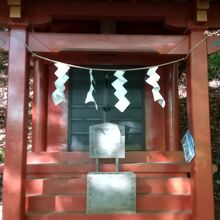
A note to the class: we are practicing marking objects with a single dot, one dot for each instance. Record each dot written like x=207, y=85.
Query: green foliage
x=214, y=66
x=2, y=155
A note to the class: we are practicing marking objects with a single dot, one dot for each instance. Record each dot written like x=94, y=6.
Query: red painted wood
x=155, y=119
x=199, y=124
x=34, y=186
x=163, y=202
x=172, y=108
x=56, y=118
x=85, y=168
x=164, y=185
x=16, y=128
x=83, y=157
x=39, y=109
x=77, y=202
x=65, y=186
x=31, y=175
x=157, y=215
x=107, y=10
x=179, y=49
x=78, y=185
x=106, y=43
x=181, y=11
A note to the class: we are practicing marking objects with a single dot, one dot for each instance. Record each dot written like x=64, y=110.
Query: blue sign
x=188, y=147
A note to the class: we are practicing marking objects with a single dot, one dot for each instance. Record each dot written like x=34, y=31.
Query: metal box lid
x=107, y=140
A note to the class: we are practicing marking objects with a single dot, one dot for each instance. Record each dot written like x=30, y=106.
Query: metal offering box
x=107, y=140
x=111, y=193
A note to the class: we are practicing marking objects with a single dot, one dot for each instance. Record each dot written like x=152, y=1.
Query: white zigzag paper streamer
x=89, y=97
x=153, y=81
x=120, y=92
x=58, y=95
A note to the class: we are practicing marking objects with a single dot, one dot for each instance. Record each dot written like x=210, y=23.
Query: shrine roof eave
x=174, y=13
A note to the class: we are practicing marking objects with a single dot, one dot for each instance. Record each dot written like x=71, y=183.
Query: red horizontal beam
x=83, y=157
x=131, y=167
x=60, y=186
x=77, y=202
x=158, y=215
x=51, y=42
x=55, y=42
x=77, y=175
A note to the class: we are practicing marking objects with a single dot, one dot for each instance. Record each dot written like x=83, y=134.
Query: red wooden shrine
x=49, y=182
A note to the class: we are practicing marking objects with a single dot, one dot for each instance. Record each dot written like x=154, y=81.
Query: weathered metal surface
x=107, y=140
x=111, y=193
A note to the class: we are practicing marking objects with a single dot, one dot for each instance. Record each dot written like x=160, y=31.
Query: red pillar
x=172, y=109
x=16, y=128
x=39, y=112
x=199, y=125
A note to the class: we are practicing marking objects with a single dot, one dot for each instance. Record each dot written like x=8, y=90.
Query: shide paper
x=153, y=81
x=58, y=95
x=89, y=97
x=120, y=92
